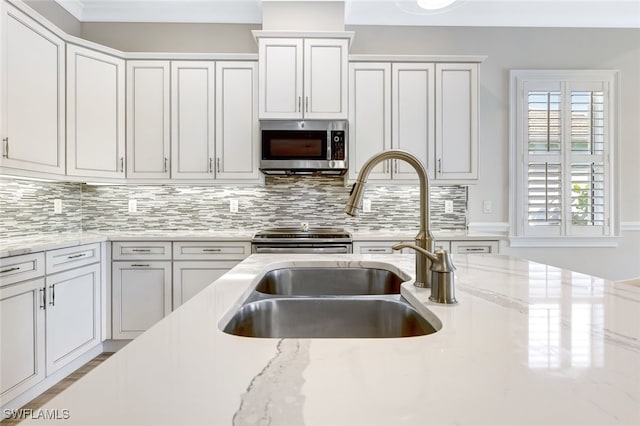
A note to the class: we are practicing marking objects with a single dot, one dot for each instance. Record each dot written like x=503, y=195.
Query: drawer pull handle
x=141, y=250
x=475, y=249
x=15, y=268
x=377, y=250
x=75, y=256
x=140, y=265
x=214, y=250
x=43, y=298
x=53, y=295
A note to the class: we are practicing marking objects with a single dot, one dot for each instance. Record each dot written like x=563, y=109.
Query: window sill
x=564, y=241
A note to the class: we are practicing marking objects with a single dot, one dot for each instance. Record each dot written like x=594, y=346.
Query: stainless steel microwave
x=304, y=147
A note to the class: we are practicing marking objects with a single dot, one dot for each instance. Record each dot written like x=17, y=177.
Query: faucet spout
x=424, y=239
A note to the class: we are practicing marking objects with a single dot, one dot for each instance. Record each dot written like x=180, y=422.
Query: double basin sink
x=328, y=302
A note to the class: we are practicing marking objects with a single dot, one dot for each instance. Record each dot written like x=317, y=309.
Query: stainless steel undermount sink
x=328, y=302
x=313, y=317
x=329, y=281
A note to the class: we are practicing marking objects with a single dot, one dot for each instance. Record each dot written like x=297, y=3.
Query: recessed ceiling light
x=434, y=4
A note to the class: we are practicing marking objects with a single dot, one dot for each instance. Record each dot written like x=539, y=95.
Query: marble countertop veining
x=528, y=344
x=31, y=244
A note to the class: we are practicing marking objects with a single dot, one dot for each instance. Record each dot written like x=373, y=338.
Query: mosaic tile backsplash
x=283, y=201
x=27, y=207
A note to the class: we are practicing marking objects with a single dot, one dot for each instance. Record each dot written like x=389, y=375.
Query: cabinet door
x=325, y=79
x=369, y=116
x=148, y=119
x=280, y=78
x=237, y=129
x=95, y=114
x=73, y=315
x=189, y=278
x=22, y=341
x=192, y=119
x=457, y=121
x=413, y=116
x=32, y=88
x=141, y=296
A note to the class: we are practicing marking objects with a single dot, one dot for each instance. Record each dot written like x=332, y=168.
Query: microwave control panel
x=337, y=145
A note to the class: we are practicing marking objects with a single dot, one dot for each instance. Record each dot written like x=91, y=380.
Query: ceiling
x=507, y=13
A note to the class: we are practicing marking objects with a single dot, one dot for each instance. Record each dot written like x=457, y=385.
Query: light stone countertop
x=32, y=244
x=528, y=344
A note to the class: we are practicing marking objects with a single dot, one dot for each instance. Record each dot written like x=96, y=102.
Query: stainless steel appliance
x=304, y=147
x=296, y=240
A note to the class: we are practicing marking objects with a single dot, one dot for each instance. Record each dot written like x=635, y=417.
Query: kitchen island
x=528, y=344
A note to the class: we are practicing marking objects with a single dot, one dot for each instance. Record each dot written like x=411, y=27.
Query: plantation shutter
x=565, y=169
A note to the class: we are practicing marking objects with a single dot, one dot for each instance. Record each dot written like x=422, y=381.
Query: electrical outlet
x=233, y=205
x=57, y=206
x=487, y=206
x=366, y=205
x=448, y=206
x=133, y=205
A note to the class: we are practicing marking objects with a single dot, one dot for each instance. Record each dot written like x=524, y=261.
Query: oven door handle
x=324, y=250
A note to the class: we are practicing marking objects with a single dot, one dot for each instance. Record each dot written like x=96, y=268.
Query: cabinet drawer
x=157, y=250
x=72, y=257
x=21, y=268
x=375, y=250
x=473, y=247
x=211, y=250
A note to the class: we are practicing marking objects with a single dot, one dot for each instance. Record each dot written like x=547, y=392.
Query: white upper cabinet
x=95, y=114
x=237, y=129
x=391, y=106
x=457, y=121
x=325, y=79
x=280, y=69
x=192, y=119
x=148, y=119
x=412, y=115
x=369, y=116
x=32, y=119
x=430, y=110
x=302, y=78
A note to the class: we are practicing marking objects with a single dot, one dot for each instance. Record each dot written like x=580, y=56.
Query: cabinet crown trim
x=258, y=34
x=418, y=58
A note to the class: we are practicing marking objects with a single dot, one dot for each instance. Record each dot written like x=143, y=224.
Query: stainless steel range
x=301, y=240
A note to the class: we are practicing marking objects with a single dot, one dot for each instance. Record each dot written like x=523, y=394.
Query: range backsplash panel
x=283, y=201
x=27, y=207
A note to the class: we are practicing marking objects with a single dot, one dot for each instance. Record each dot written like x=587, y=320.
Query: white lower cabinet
x=141, y=296
x=22, y=338
x=189, y=278
x=47, y=319
x=199, y=263
x=72, y=314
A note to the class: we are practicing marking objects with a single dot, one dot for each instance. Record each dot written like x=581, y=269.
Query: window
x=563, y=142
